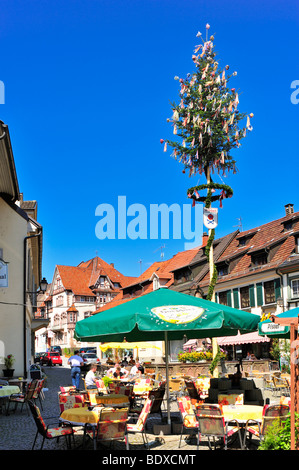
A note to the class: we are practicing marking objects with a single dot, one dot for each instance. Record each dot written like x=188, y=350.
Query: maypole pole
x=206, y=121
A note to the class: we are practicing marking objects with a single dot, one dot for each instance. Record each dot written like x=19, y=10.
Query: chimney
x=289, y=208
x=205, y=238
x=112, y=264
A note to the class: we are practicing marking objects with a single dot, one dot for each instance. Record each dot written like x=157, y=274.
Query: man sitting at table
x=90, y=378
x=138, y=369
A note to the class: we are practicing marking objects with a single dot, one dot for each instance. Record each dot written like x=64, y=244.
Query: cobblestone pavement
x=17, y=430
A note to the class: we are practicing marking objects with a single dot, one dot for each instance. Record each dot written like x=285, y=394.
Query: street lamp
x=43, y=285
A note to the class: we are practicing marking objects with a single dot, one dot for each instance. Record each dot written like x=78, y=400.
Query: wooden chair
x=211, y=424
x=270, y=414
x=48, y=432
x=23, y=398
x=112, y=426
x=139, y=426
x=189, y=420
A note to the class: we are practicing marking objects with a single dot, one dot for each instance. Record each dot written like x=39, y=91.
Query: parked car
x=51, y=358
x=88, y=349
x=37, y=357
x=56, y=349
x=90, y=358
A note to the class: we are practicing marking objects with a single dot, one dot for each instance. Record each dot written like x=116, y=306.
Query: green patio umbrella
x=274, y=330
x=165, y=315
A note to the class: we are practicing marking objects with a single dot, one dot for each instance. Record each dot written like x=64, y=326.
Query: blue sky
x=88, y=86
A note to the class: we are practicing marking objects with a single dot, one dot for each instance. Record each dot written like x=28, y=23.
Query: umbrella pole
x=167, y=378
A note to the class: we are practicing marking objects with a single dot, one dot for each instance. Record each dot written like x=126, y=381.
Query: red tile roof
x=269, y=235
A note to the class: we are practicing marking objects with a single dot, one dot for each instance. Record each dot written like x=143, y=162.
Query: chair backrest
x=272, y=413
x=192, y=390
x=157, y=394
x=210, y=419
x=68, y=389
x=38, y=388
x=140, y=425
x=112, y=423
x=187, y=412
x=101, y=386
x=175, y=384
x=29, y=394
x=41, y=427
x=67, y=401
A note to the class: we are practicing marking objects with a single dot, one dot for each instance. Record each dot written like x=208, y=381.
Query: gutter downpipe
x=24, y=299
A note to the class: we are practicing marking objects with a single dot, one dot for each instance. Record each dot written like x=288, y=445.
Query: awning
x=253, y=337
x=191, y=343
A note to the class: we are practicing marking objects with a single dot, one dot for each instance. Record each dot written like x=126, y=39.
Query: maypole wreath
x=207, y=123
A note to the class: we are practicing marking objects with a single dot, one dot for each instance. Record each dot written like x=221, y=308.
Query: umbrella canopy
x=267, y=327
x=150, y=316
x=165, y=315
x=127, y=345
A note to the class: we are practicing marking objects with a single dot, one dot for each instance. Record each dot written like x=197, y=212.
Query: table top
x=242, y=413
x=7, y=390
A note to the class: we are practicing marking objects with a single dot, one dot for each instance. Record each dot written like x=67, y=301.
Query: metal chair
x=23, y=398
x=49, y=432
x=192, y=392
x=270, y=414
x=211, y=424
x=189, y=420
x=112, y=426
x=139, y=427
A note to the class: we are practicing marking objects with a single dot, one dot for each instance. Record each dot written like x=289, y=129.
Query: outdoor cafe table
x=242, y=413
x=6, y=391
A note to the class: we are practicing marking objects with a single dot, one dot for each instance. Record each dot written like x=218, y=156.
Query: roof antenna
x=239, y=224
x=162, y=252
x=140, y=262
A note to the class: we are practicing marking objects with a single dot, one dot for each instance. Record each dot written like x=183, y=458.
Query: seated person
x=118, y=374
x=111, y=371
x=138, y=369
x=90, y=378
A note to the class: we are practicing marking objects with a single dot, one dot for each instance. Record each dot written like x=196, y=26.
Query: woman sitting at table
x=118, y=374
x=90, y=378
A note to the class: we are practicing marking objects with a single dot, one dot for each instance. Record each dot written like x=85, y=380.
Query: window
x=222, y=269
x=295, y=288
x=59, y=301
x=223, y=297
x=269, y=291
x=259, y=259
x=245, y=298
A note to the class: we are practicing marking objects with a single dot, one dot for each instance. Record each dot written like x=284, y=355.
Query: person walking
x=76, y=362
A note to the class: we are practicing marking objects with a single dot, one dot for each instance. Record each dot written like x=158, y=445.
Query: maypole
x=206, y=122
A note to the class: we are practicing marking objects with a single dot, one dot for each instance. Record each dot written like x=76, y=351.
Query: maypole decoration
x=206, y=122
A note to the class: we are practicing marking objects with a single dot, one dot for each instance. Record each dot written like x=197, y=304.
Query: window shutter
x=236, y=298
x=251, y=296
x=259, y=293
x=229, y=298
x=277, y=288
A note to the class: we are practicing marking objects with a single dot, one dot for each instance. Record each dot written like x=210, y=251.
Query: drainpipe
x=24, y=299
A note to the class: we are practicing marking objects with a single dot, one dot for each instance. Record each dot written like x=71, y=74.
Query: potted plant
x=9, y=362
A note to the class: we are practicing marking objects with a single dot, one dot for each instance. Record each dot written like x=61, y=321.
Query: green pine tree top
x=206, y=119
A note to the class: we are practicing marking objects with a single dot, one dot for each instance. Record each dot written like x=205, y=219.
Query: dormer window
x=222, y=269
x=288, y=225
x=259, y=259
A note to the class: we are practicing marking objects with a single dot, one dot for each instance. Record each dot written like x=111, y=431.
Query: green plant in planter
x=107, y=380
x=9, y=361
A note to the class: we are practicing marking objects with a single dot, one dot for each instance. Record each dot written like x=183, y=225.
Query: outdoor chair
x=23, y=398
x=281, y=386
x=158, y=395
x=68, y=389
x=67, y=401
x=270, y=414
x=189, y=420
x=211, y=424
x=49, y=432
x=140, y=425
x=192, y=392
x=175, y=387
x=112, y=426
x=38, y=392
